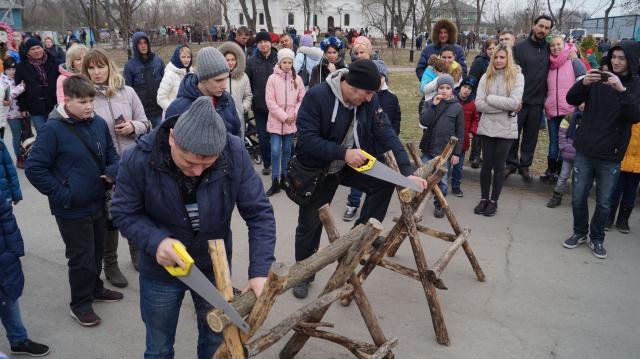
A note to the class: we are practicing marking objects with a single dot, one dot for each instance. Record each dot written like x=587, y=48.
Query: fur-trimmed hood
x=241, y=59
x=444, y=24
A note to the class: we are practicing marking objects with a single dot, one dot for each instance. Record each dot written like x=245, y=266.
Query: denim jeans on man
x=12, y=322
x=155, y=120
x=160, y=302
x=605, y=173
x=16, y=133
x=456, y=173
x=280, y=154
x=263, y=136
x=38, y=121
x=443, y=181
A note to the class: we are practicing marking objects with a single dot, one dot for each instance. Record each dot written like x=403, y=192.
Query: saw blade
x=385, y=173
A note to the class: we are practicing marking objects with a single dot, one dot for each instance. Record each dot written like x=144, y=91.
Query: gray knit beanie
x=210, y=63
x=200, y=129
x=444, y=79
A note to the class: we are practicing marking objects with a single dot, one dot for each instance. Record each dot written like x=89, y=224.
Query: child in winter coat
x=467, y=98
x=174, y=72
x=441, y=118
x=624, y=195
x=444, y=63
x=284, y=93
x=10, y=108
x=566, y=134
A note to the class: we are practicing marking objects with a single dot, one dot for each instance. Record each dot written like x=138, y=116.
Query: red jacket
x=471, y=119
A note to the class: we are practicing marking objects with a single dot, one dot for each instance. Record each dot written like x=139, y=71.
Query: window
x=241, y=18
x=346, y=19
x=291, y=19
x=261, y=19
x=315, y=20
x=330, y=23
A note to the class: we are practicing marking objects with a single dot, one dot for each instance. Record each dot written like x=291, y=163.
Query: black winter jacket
x=441, y=122
x=259, y=68
x=608, y=115
x=533, y=58
x=38, y=98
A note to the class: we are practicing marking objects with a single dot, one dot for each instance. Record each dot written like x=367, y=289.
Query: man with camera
x=611, y=108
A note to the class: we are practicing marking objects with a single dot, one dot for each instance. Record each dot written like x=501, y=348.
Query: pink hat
x=363, y=41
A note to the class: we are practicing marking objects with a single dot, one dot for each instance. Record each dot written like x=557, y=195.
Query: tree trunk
x=606, y=19
x=225, y=12
x=251, y=21
x=267, y=15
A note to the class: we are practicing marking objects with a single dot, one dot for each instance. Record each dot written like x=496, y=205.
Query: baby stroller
x=251, y=140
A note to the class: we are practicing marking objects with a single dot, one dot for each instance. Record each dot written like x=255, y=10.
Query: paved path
x=540, y=300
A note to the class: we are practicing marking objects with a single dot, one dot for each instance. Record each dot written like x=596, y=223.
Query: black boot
x=612, y=216
x=549, y=172
x=557, y=166
x=555, y=200
x=133, y=251
x=111, y=269
x=275, y=187
x=623, y=219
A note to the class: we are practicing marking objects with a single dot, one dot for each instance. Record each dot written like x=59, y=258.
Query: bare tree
x=371, y=10
x=479, y=11
x=427, y=5
x=225, y=12
x=606, y=18
x=267, y=15
x=251, y=18
x=121, y=12
x=453, y=7
x=630, y=7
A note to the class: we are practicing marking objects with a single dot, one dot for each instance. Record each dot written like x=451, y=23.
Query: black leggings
x=494, y=155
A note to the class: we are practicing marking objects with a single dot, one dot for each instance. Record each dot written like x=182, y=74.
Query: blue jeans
x=155, y=120
x=16, y=133
x=280, y=154
x=160, y=302
x=626, y=190
x=12, y=322
x=553, y=129
x=443, y=181
x=353, y=200
x=263, y=136
x=605, y=173
x=456, y=173
x=38, y=121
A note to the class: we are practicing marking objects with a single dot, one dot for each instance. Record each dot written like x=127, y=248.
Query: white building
x=330, y=13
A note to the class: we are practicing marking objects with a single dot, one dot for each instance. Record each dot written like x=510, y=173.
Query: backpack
x=304, y=73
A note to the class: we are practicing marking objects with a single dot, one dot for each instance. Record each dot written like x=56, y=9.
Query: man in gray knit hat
x=180, y=183
x=210, y=79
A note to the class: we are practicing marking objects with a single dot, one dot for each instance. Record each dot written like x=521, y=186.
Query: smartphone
x=120, y=120
x=604, y=76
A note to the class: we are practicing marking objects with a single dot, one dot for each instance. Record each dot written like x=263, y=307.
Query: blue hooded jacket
x=189, y=92
x=148, y=205
x=175, y=58
x=144, y=75
x=11, y=249
x=9, y=183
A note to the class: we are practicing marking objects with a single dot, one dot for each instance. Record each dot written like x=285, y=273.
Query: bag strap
x=86, y=144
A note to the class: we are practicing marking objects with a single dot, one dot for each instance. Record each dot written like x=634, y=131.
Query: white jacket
x=168, y=90
x=495, y=105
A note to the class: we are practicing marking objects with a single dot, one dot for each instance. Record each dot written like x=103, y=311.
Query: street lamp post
x=340, y=15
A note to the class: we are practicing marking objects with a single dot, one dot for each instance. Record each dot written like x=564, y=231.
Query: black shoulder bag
x=304, y=73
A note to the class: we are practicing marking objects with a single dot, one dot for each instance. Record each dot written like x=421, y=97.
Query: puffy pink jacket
x=283, y=100
x=560, y=78
x=64, y=74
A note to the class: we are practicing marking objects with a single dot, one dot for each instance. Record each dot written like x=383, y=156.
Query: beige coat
x=495, y=105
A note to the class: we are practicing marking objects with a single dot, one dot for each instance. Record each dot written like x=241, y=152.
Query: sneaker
x=438, y=212
x=30, y=348
x=108, y=296
x=491, y=209
x=87, y=318
x=457, y=192
x=266, y=171
x=301, y=290
x=475, y=163
x=481, y=206
x=574, y=241
x=349, y=213
x=598, y=250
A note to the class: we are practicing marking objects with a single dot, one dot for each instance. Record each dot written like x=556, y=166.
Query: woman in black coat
x=331, y=60
x=54, y=51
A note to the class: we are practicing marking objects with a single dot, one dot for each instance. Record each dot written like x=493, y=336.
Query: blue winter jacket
x=9, y=183
x=144, y=75
x=434, y=49
x=11, y=249
x=61, y=167
x=320, y=138
x=189, y=92
x=148, y=207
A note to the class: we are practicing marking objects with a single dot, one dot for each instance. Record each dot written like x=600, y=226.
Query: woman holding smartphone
x=123, y=112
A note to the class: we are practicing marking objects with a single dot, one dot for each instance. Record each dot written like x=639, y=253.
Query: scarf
x=561, y=58
x=39, y=65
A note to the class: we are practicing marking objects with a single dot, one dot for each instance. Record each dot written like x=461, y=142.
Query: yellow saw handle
x=181, y=251
x=368, y=165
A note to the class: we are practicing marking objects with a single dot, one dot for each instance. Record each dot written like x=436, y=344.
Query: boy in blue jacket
x=12, y=284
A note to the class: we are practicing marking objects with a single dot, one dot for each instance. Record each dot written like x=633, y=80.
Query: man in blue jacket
x=444, y=32
x=181, y=183
x=210, y=79
x=12, y=284
x=72, y=161
x=144, y=72
x=337, y=118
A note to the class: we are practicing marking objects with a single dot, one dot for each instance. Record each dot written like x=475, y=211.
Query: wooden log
x=276, y=333
x=446, y=256
x=406, y=194
x=414, y=153
x=465, y=245
x=370, y=319
x=327, y=255
x=385, y=349
x=232, y=346
x=346, y=266
x=449, y=237
x=275, y=282
x=356, y=347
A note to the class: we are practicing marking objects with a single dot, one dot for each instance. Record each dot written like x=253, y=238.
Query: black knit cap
x=9, y=63
x=263, y=36
x=364, y=75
